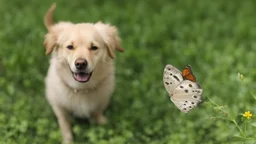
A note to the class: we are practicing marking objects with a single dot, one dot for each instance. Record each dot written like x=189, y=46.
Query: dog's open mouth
x=82, y=76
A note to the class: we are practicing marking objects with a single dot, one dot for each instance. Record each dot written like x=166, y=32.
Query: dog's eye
x=94, y=48
x=70, y=47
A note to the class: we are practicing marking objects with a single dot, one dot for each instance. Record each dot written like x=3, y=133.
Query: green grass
x=217, y=38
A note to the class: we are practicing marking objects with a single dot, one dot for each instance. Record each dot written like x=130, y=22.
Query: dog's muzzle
x=81, y=75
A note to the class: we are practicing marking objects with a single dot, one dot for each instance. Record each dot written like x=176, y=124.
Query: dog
x=80, y=78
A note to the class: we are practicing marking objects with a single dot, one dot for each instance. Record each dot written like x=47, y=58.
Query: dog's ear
x=110, y=37
x=52, y=36
x=49, y=42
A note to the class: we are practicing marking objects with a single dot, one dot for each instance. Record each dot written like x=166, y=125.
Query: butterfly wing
x=187, y=95
x=172, y=78
x=188, y=74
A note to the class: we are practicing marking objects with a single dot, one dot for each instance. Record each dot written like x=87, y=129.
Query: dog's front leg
x=64, y=122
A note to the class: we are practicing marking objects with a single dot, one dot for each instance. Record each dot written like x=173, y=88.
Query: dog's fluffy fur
x=67, y=90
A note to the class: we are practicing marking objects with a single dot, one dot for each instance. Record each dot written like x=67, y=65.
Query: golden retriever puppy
x=80, y=78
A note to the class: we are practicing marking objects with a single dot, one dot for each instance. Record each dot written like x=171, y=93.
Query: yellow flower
x=247, y=114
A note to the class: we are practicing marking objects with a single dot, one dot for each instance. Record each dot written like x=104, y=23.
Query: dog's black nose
x=80, y=64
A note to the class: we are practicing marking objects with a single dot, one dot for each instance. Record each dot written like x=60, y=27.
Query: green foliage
x=217, y=38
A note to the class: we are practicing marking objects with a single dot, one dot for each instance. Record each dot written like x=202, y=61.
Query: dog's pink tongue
x=81, y=77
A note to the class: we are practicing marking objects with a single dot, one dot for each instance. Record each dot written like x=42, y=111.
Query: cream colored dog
x=80, y=78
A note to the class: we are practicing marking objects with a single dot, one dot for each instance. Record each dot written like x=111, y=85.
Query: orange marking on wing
x=188, y=74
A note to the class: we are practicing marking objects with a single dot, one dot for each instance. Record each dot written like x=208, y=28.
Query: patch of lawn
x=217, y=38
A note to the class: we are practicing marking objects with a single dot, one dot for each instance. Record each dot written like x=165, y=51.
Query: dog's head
x=81, y=45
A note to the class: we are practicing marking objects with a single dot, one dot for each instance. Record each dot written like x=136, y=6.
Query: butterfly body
x=184, y=92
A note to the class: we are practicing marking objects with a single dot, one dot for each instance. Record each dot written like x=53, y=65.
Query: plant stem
x=230, y=118
x=240, y=130
x=212, y=101
x=245, y=126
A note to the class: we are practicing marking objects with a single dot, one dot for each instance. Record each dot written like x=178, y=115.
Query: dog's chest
x=81, y=103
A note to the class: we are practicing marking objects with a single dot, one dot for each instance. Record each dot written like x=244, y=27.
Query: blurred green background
x=217, y=38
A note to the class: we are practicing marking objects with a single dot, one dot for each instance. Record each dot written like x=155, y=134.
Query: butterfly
x=182, y=87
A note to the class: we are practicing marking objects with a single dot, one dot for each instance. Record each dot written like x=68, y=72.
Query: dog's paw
x=65, y=141
x=101, y=120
